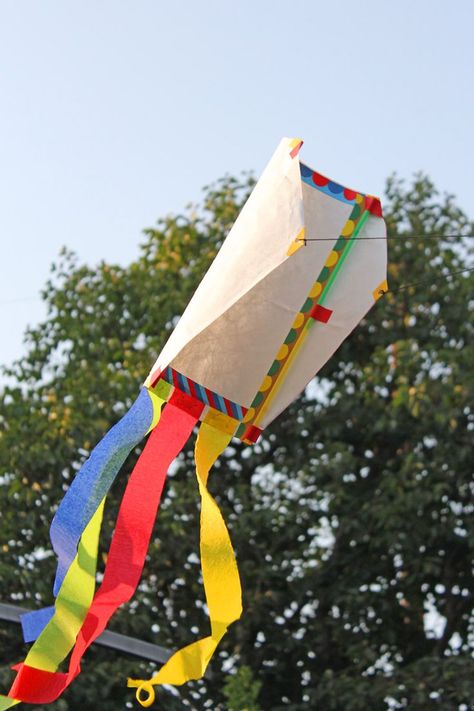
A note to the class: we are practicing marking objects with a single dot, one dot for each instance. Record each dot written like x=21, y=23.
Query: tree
x=241, y=691
x=350, y=518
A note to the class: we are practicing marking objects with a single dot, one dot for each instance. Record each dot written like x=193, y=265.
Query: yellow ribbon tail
x=71, y=606
x=74, y=599
x=220, y=577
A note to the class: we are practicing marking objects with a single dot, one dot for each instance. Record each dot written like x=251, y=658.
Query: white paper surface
x=244, y=307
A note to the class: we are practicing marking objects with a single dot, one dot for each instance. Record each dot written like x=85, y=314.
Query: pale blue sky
x=114, y=113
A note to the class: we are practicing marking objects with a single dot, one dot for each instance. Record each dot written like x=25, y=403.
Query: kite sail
x=266, y=317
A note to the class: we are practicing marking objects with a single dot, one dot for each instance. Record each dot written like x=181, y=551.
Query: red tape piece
x=251, y=434
x=296, y=150
x=187, y=403
x=127, y=551
x=320, y=313
x=372, y=204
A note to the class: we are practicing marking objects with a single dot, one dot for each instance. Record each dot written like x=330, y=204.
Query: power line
x=20, y=299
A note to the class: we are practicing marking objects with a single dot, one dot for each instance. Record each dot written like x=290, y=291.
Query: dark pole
x=121, y=642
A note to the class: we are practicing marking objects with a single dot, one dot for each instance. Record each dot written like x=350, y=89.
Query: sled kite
x=302, y=265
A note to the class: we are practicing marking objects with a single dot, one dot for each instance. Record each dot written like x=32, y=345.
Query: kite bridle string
x=400, y=238
x=394, y=238
x=425, y=281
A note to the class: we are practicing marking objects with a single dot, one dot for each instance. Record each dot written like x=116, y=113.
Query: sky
x=114, y=113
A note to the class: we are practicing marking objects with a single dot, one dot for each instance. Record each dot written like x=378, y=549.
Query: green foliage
x=351, y=518
x=241, y=691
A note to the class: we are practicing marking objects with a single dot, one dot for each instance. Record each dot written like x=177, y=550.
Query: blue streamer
x=87, y=490
x=33, y=623
x=93, y=481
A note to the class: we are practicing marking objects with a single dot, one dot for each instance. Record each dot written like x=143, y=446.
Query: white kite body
x=297, y=240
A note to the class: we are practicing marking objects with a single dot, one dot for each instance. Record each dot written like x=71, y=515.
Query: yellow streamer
x=158, y=397
x=220, y=577
x=71, y=606
x=72, y=603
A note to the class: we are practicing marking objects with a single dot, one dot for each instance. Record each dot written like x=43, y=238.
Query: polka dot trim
x=337, y=191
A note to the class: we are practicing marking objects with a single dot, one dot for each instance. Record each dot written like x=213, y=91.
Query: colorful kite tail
x=41, y=682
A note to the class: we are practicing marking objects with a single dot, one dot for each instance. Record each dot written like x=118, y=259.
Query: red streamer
x=127, y=550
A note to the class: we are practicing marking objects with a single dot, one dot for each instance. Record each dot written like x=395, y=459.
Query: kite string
x=399, y=238
x=426, y=281
x=394, y=238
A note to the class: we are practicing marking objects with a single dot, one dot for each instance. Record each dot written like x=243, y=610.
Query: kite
x=302, y=265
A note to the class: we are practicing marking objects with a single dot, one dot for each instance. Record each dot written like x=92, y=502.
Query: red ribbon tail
x=127, y=551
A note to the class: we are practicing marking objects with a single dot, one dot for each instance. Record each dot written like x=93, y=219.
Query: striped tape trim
x=199, y=392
